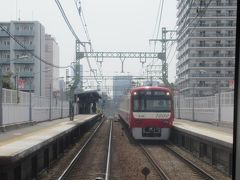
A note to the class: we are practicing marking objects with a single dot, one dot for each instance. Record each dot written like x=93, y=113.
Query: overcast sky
x=114, y=25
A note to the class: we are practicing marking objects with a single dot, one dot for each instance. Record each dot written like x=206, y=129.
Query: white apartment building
x=25, y=70
x=206, y=46
x=51, y=73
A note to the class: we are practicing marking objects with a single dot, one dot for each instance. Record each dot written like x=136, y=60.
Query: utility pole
x=193, y=105
x=219, y=102
x=164, y=41
x=1, y=92
x=50, y=102
x=30, y=101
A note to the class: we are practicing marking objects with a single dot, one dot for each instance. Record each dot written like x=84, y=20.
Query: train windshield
x=151, y=101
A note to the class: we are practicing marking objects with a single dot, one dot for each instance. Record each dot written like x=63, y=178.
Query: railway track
x=154, y=163
x=171, y=165
x=195, y=168
x=93, y=159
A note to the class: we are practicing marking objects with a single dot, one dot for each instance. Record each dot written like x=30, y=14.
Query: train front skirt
x=151, y=133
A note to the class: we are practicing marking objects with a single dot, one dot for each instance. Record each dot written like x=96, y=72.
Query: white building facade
x=206, y=46
x=17, y=62
x=51, y=73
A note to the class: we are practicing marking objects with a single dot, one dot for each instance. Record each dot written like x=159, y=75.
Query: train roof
x=150, y=88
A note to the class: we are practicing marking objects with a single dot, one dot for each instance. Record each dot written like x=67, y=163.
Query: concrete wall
x=205, y=108
x=14, y=112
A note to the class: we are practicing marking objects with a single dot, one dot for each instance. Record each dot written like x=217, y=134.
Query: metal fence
x=18, y=107
x=207, y=109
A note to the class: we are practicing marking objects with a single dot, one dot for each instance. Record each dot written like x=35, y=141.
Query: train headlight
x=135, y=93
x=168, y=93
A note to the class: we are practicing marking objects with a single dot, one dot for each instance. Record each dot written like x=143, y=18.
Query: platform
x=19, y=143
x=209, y=142
x=207, y=131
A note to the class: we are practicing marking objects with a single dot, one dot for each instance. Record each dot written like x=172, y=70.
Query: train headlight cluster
x=168, y=93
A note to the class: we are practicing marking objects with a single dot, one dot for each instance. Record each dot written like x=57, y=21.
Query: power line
x=67, y=22
x=29, y=51
x=84, y=24
x=158, y=14
x=83, y=21
x=73, y=32
x=172, y=56
x=160, y=19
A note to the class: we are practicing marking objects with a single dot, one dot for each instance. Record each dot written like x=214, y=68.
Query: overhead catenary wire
x=84, y=24
x=157, y=19
x=74, y=34
x=67, y=22
x=83, y=21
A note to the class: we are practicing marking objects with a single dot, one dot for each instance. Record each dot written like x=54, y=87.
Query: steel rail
x=153, y=162
x=109, y=153
x=72, y=163
x=197, y=169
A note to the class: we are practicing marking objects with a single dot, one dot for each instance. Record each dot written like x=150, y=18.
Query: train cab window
x=151, y=101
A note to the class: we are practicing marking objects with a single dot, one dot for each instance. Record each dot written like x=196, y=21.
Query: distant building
x=26, y=71
x=121, y=85
x=72, y=73
x=51, y=56
x=206, y=46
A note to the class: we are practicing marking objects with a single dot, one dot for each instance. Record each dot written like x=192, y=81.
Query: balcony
x=23, y=61
x=25, y=74
x=3, y=34
x=24, y=33
x=28, y=47
x=4, y=61
x=4, y=47
x=205, y=75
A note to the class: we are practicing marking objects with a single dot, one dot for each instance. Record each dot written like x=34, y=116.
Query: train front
x=152, y=113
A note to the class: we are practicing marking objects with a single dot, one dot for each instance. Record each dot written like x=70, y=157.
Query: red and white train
x=148, y=112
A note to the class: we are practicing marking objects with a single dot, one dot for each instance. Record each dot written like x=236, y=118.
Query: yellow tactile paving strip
x=20, y=144
x=206, y=130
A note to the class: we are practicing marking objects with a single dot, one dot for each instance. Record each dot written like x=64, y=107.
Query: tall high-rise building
x=206, y=46
x=121, y=85
x=51, y=73
x=25, y=70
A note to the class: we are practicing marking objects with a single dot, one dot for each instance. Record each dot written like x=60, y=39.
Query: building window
x=218, y=13
x=202, y=43
x=202, y=33
x=218, y=64
x=230, y=43
x=218, y=43
x=229, y=53
x=215, y=53
x=201, y=83
x=201, y=23
x=202, y=3
x=202, y=64
x=218, y=33
x=230, y=33
x=218, y=23
x=230, y=23
x=200, y=53
x=218, y=2
x=230, y=13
